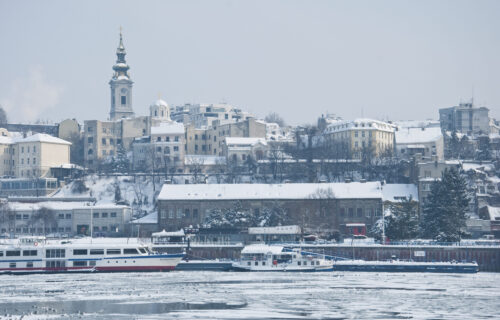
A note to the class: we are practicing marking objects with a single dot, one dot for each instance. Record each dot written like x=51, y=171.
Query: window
x=176, y=139
x=104, y=215
x=176, y=148
x=130, y=251
x=79, y=263
x=26, y=217
x=123, y=100
x=179, y=213
x=29, y=252
x=113, y=214
x=68, y=215
x=351, y=212
x=104, y=228
x=96, y=229
x=95, y=215
x=103, y=141
x=90, y=140
x=113, y=251
x=158, y=139
x=29, y=264
x=1, y=252
x=171, y=214
x=60, y=216
x=186, y=213
x=80, y=252
x=55, y=253
x=12, y=265
x=195, y=213
x=97, y=251
x=360, y=212
x=55, y=264
x=13, y=253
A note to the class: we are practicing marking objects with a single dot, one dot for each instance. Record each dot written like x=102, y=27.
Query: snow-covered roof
x=396, y=192
x=149, y=218
x=418, y=135
x=42, y=137
x=359, y=124
x=170, y=127
x=261, y=249
x=466, y=166
x=160, y=103
x=5, y=140
x=417, y=123
x=164, y=233
x=353, y=190
x=245, y=141
x=494, y=213
x=59, y=205
x=275, y=230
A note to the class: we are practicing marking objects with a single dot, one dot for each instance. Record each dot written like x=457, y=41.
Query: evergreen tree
x=444, y=211
x=402, y=224
x=272, y=216
x=118, y=192
x=454, y=146
x=484, y=151
x=122, y=162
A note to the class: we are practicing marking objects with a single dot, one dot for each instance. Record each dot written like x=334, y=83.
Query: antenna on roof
x=472, y=99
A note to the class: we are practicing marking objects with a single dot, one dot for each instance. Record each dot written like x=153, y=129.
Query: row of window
x=372, y=212
x=27, y=230
x=28, y=161
x=17, y=253
x=167, y=139
x=180, y=213
x=33, y=149
x=27, y=216
x=103, y=215
x=84, y=252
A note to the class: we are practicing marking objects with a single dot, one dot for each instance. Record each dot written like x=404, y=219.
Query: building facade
x=324, y=208
x=362, y=135
x=426, y=141
x=465, y=118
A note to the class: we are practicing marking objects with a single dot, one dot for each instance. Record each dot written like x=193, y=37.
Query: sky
x=387, y=60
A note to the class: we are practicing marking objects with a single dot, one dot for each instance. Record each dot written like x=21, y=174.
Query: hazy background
x=383, y=59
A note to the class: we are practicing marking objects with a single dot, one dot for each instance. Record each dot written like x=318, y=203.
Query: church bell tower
x=121, y=86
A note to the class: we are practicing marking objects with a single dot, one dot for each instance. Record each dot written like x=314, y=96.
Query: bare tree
x=273, y=117
x=47, y=216
x=195, y=165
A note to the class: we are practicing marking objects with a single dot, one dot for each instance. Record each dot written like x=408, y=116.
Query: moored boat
x=38, y=255
x=261, y=257
x=405, y=266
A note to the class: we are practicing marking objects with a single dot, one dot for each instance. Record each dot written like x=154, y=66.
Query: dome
x=160, y=103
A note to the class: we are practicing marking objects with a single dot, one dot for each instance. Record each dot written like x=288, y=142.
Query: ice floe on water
x=231, y=295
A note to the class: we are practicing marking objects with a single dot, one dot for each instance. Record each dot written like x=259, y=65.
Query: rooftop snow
x=245, y=141
x=353, y=190
x=192, y=159
x=168, y=128
x=396, y=192
x=417, y=135
x=494, y=213
x=42, y=137
x=57, y=205
x=149, y=218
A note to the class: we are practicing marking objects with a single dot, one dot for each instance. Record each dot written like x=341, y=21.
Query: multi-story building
x=163, y=150
x=239, y=150
x=202, y=115
x=324, y=208
x=362, y=135
x=33, y=156
x=6, y=156
x=64, y=218
x=465, y=118
x=426, y=141
x=210, y=140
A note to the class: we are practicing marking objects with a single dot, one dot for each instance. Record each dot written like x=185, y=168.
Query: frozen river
x=231, y=295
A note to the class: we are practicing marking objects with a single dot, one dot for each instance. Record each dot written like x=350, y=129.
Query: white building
x=64, y=218
x=238, y=150
x=426, y=141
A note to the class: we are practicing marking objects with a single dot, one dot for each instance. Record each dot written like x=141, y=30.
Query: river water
x=232, y=295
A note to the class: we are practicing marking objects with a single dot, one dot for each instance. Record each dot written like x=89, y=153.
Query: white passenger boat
x=38, y=255
x=278, y=258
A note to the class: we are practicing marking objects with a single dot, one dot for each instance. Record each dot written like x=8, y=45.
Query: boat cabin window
x=249, y=263
x=79, y=252
x=256, y=263
x=55, y=253
x=317, y=263
x=263, y=263
x=142, y=250
x=13, y=253
x=1, y=253
x=96, y=251
x=55, y=264
x=79, y=263
x=130, y=251
x=29, y=253
x=12, y=265
x=113, y=251
x=299, y=263
x=29, y=264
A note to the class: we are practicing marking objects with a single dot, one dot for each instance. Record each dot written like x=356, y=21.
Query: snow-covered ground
x=138, y=192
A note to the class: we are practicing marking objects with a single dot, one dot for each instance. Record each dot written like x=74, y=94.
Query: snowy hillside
x=136, y=191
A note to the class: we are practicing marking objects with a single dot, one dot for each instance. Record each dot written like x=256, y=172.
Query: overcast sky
x=380, y=59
